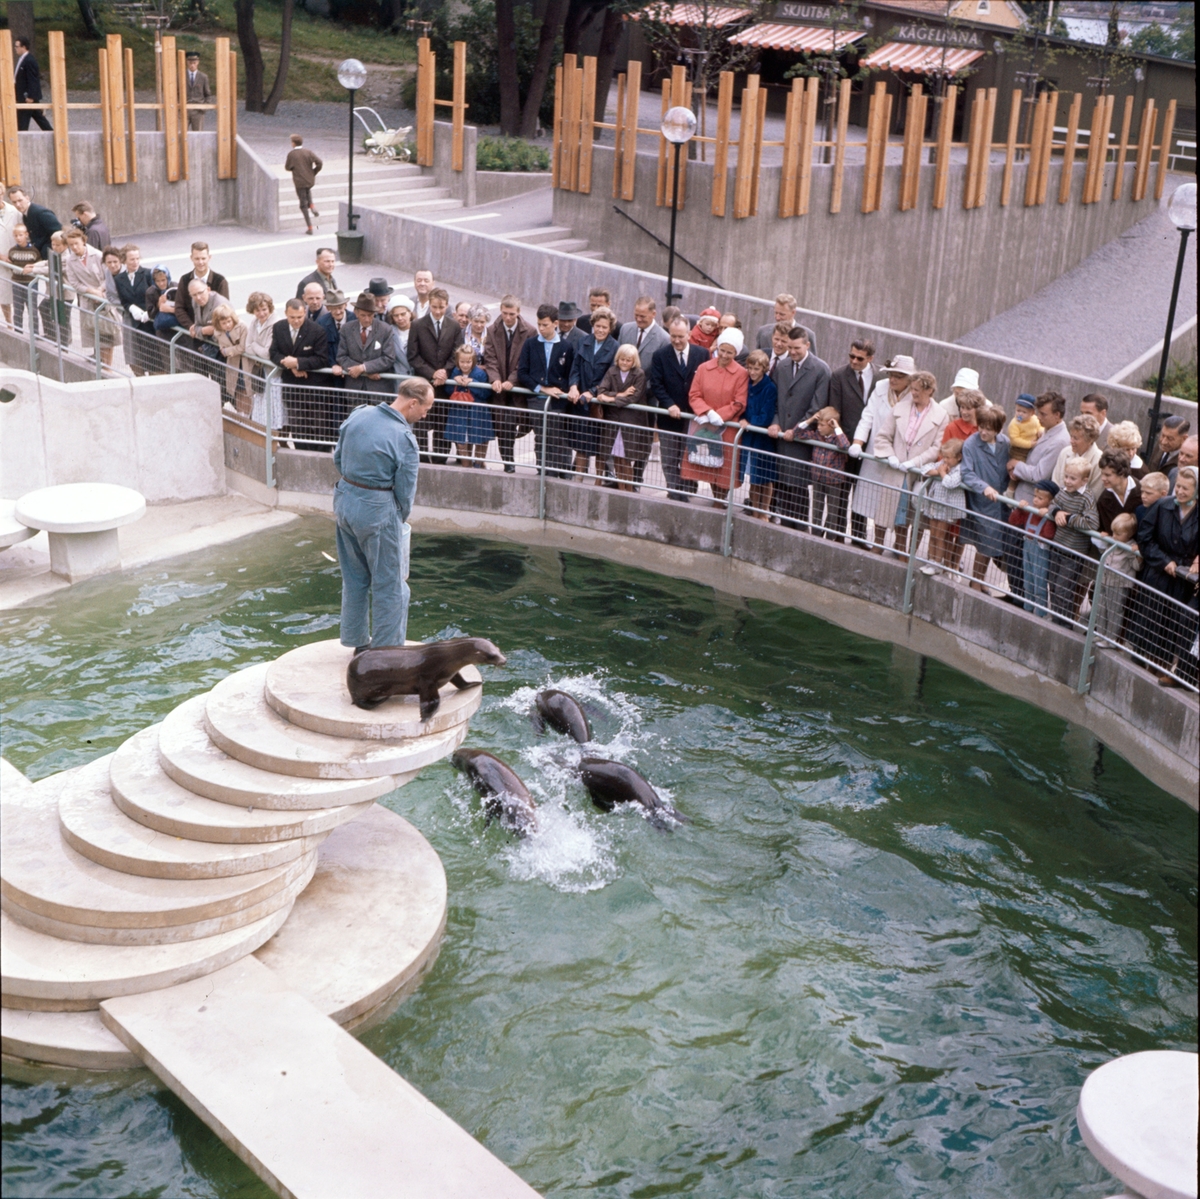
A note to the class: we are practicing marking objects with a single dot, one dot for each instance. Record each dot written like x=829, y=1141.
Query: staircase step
x=568, y=245
x=596, y=255
x=538, y=235
x=77, y=1039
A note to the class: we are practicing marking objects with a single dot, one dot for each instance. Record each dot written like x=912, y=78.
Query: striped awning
x=923, y=60
x=794, y=37
x=692, y=14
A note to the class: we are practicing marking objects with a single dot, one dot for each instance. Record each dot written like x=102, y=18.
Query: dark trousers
x=509, y=425
x=671, y=446
x=25, y=115
x=20, y=293
x=434, y=425
x=1014, y=560
x=829, y=499
x=1066, y=572
x=858, y=523
x=792, y=490
x=305, y=196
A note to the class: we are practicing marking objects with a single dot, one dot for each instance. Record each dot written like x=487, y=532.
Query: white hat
x=732, y=337
x=901, y=364
x=402, y=302
x=967, y=378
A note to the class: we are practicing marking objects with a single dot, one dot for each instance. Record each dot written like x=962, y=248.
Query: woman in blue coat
x=984, y=478
x=758, y=449
x=593, y=357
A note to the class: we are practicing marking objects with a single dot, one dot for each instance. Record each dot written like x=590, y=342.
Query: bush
x=510, y=154
x=1181, y=381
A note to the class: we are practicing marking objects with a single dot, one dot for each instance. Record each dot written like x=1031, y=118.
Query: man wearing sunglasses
x=849, y=390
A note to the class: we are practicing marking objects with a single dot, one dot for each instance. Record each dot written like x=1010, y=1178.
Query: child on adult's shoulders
x=1023, y=432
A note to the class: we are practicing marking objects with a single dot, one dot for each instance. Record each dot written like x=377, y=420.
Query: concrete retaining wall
x=159, y=435
x=493, y=186
x=257, y=191
x=495, y=266
x=1183, y=353
x=1157, y=730
x=941, y=271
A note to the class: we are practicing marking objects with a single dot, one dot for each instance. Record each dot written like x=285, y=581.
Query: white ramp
x=310, y=1110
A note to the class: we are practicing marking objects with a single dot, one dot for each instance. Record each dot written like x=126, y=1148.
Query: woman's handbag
x=704, y=446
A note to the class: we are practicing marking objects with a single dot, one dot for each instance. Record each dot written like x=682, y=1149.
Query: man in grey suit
x=644, y=333
x=802, y=383
x=366, y=350
x=785, y=313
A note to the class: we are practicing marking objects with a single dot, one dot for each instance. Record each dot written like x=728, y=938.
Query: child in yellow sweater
x=1023, y=432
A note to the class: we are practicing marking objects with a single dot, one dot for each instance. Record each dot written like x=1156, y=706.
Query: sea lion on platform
x=504, y=795
x=562, y=713
x=423, y=670
x=610, y=783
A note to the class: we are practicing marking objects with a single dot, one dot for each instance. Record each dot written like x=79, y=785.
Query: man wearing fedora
x=332, y=318
x=568, y=314
x=365, y=350
x=380, y=291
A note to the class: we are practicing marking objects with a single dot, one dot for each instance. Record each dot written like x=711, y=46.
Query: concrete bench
x=12, y=531
x=82, y=521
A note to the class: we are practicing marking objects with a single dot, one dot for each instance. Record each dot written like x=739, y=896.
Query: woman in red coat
x=718, y=393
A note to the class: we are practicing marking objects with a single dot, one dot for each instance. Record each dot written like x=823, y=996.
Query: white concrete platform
x=11, y=779
x=1138, y=1114
x=300, y=688
x=241, y=723
x=82, y=521
x=310, y=1110
x=77, y=1040
x=12, y=531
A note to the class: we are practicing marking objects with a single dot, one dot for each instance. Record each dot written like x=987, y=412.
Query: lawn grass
x=1181, y=381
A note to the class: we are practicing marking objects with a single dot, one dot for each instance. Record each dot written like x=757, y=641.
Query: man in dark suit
x=27, y=80
x=299, y=349
x=668, y=381
x=850, y=388
x=93, y=225
x=501, y=353
x=333, y=319
x=431, y=346
x=131, y=285
x=37, y=219
x=545, y=368
x=201, y=269
x=198, y=91
x=802, y=383
x=785, y=313
x=365, y=350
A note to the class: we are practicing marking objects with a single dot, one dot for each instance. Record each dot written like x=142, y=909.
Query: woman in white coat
x=870, y=501
x=10, y=218
x=909, y=439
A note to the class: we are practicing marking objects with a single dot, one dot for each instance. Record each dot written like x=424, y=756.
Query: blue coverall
x=375, y=447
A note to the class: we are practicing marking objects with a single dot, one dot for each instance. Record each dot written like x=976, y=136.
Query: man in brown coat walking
x=304, y=166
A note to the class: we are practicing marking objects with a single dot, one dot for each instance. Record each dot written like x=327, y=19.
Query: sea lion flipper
x=462, y=684
x=539, y=721
x=430, y=700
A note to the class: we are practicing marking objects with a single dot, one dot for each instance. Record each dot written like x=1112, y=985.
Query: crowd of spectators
x=848, y=452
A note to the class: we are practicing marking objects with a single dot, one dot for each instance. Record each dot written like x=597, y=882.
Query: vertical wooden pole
x=945, y=133
x=131, y=113
x=914, y=139
x=181, y=79
x=233, y=133
x=10, y=158
x=224, y=141
x=985, y=159
x=556, y=133
x=747, y=125
x=117, y=117
x=105, y=113
x=661, y=189
x=170, y=109
x=1141, y=170
x=633, y=90
x=587, y=119
x=839, y=157
x=808, y=125
x=58, y=99
x=758, y=141
x=1123, y=148
x=870, y=161
x=888, y=100
x=618, y=137
x=426, y=85
x=974, y=125
x=1068, y=163
x=567, y=107
x=1051, y=115
x=1010, y=147
x=720, y=184
x=1035, y=150
x=1098, y=185
x=1164, y=149
x=459, y=109
x=1095, y=150
x=791, y=149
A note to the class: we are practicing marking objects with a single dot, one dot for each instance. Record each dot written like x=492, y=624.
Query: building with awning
x=809, y=38
x=920, y=60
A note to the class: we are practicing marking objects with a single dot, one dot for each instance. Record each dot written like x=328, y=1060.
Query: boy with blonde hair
x=1075, y=519
x=1120, y=569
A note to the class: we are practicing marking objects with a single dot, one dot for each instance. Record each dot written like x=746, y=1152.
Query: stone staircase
x=555, y=237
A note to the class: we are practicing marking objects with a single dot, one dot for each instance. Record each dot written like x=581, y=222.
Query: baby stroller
x=382, y=142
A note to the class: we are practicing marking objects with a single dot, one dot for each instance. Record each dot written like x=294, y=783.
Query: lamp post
x=351, y=75
x=678, y=127
x=1182, y=211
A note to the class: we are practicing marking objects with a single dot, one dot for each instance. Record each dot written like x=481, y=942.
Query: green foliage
x=1179, y=41
x=510, y=154
x=1181, y=381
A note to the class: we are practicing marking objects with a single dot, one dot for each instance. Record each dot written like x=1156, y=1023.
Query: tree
x=285, y=54
x=552, y=23
x=88, y=15
x=606, y=56
x=251, y=54
x=506, y=68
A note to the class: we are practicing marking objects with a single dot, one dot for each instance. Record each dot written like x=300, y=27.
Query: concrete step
x=567, y=245
x=539, y=235
x=241, y=724
x=383, y=187
x=428, y=200
x=597, y=255
x=311, y=1110
x=189, y=758
x=75, y=1039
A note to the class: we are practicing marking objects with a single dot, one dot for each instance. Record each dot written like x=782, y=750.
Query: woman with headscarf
x=707, y=328
x=717, y=397
x=871, y=501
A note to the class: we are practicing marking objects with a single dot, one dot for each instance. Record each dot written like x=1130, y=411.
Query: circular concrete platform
x=80, y=507
x=307, y=687
x=12, y=531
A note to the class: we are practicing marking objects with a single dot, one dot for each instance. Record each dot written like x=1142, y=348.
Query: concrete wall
x=941, y=272
x=492, y=186
x=495, y=266
x=1183, y=353
x=1157, y=730
x=150, y=204
x=161, y=436
x=257, y=191
x=461, y=183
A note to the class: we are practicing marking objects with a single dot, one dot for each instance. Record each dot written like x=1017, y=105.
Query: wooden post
x=747, y=125
x=233, y=110
x=618, y=138
x=660, y=181
x=117, y=117
x=679, y=94
x=1051, y=114
x=1141, y=170
x=1164, y=149
x=131, y=110
x=426, y=66
x=870, y=161
x=839, y=157
x=1068, y=163
x=808, y=125
x=105, y=113
x=1095, y=150
x=567, y=110
x=633, y=89
x=170, y=122
x=1010, y=147
x=914, y=141
x=974, y=125
x=224, y=141
x=556, y=132
x=10, y=158
x=58, y=110
x=1123, y=149
x=883, y=147
x=459, y=105
x=791, y=149
x=181, y=79
x=587, y=118
x=720, y=177
x=758, y=141
x=1098, y=182
x=1035, y=150
x=941, y=176
x=985, y=161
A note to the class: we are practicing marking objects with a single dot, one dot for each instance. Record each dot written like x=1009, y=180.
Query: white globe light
x=1182, y=207
x=352, y=74
x=678, y=125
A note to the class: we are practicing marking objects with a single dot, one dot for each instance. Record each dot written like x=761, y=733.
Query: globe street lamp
x=351, y=75
x=678, y=126
x=1182, y=211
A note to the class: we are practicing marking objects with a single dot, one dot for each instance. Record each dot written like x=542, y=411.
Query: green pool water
x=909, y=917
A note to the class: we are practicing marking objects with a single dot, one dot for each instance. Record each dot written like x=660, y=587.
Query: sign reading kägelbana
x=937, y=35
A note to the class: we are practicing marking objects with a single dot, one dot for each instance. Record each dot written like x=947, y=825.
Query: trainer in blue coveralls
x=377, y=457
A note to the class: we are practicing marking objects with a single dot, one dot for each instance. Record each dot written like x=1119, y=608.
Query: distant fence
x=575, y=126
x=118, y=110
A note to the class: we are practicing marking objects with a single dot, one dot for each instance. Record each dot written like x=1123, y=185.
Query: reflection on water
x=909, y=917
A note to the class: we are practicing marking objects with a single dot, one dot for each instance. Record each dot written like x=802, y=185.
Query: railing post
x=1089, y=656
x=171, y=349
x=96, y=338
x=914, y=541
x=542, y=463
x=268, y=441
x=727, y=534
x=31, y=318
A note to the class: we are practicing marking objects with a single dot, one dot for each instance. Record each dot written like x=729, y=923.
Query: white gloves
x=856, y=451
x=138, y=314
x=713, y=418
x=893, y=462
x=906, y=465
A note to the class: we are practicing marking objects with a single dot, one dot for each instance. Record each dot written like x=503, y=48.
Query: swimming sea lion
x=563, y=714
x=377, y=674
x=504, y=795
x=611, y=783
